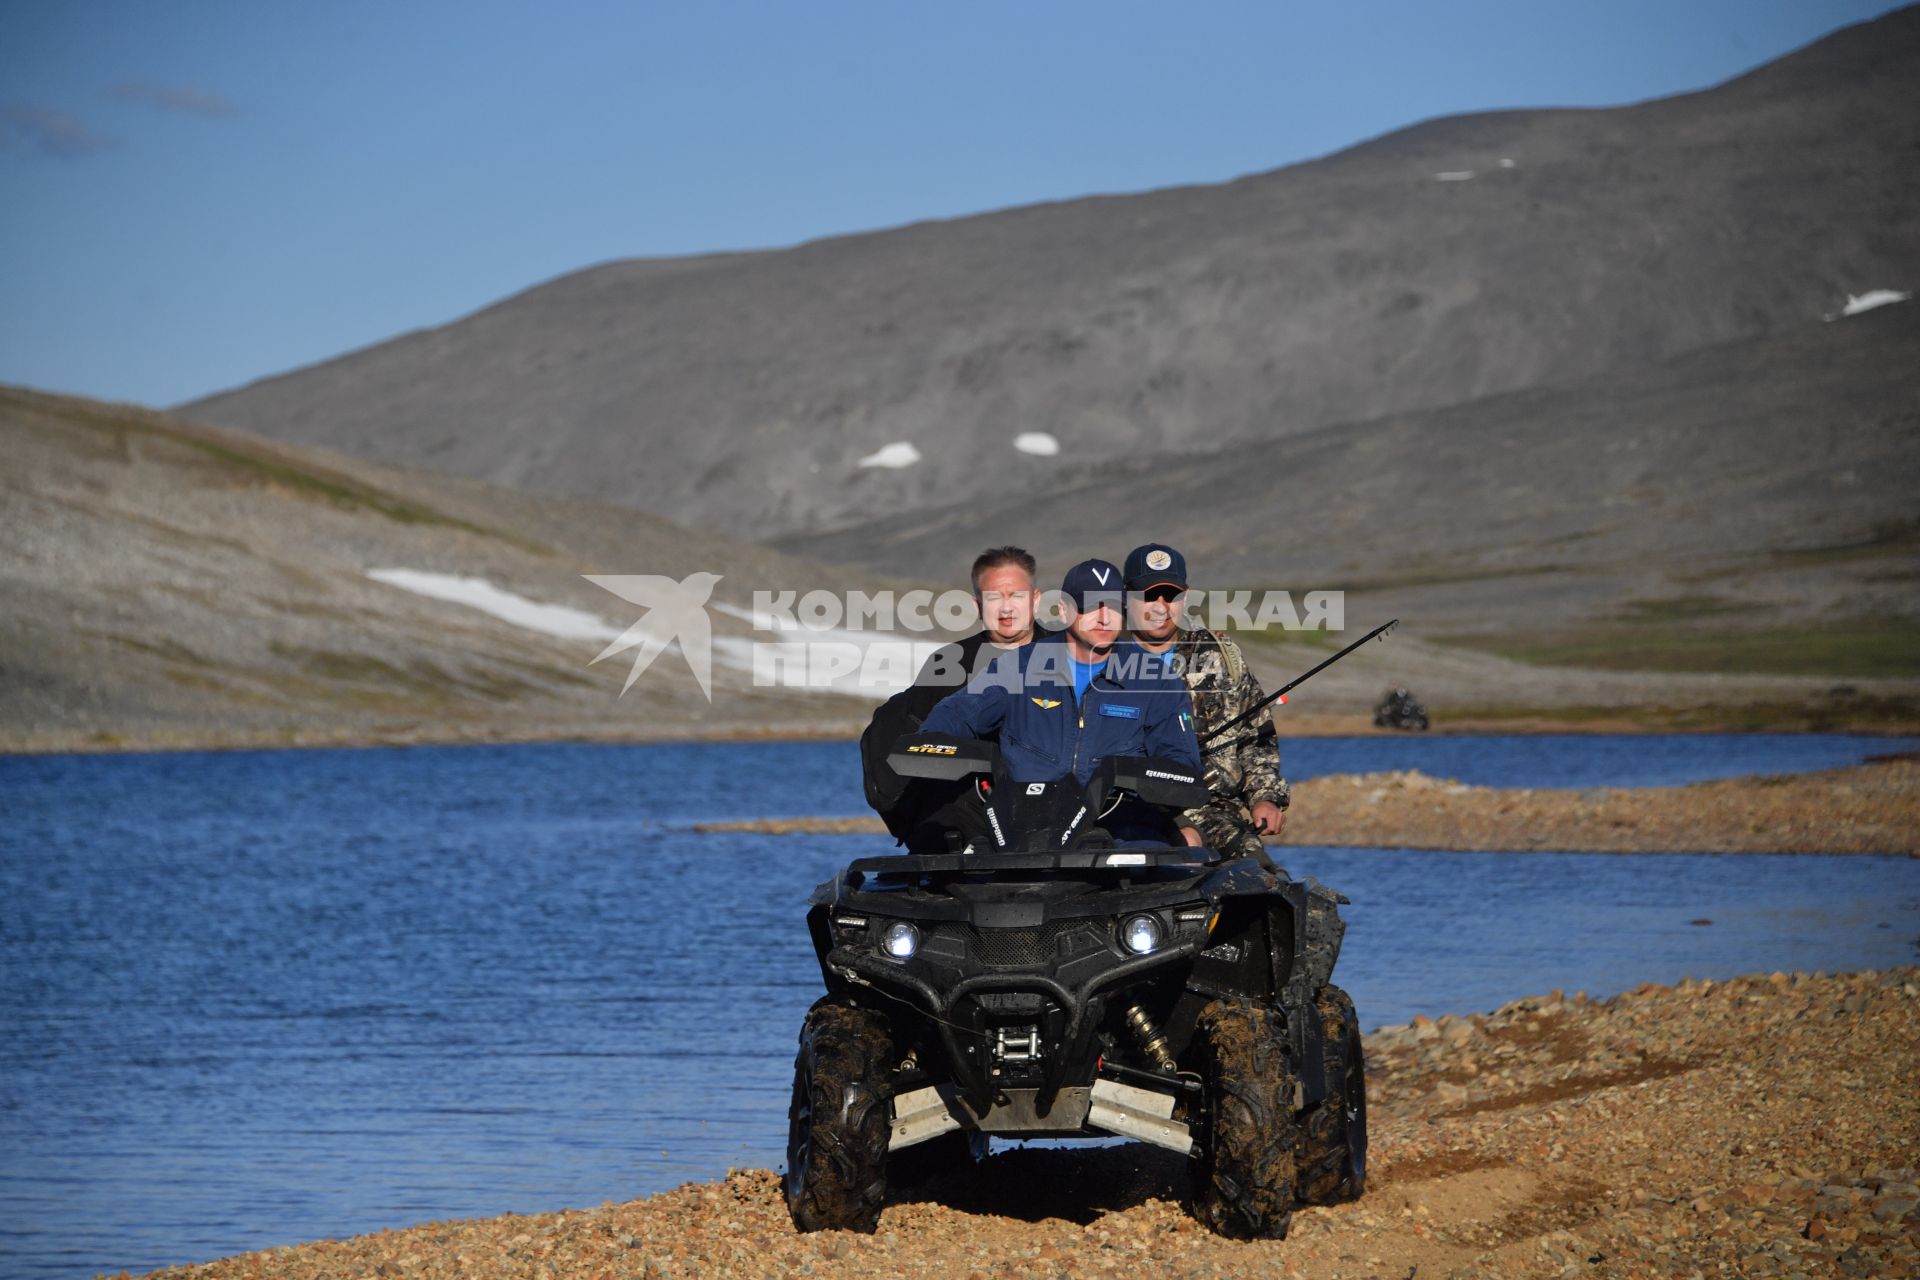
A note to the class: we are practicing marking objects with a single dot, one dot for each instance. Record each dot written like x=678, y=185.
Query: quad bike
x=1400, y=710
x=1044, y=982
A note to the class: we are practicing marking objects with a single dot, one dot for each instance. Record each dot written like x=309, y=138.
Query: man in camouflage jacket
x=1250, y=796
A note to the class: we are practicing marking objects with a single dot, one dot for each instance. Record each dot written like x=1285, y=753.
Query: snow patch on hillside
x=900, y=453
x=566, y=623
x=1040, y=444
x=558, y=620
x=1856, y=303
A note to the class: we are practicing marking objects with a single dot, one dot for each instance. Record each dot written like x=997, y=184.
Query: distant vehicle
x=1400, y=710
x=1044, y=983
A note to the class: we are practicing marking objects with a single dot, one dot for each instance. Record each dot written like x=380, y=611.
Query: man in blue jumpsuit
x=1066, y=702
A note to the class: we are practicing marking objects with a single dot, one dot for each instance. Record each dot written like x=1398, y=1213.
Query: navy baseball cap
x=1092, y=583
x=1156, y=565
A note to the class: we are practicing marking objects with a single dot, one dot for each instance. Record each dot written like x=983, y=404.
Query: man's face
x=1155, y=614
x=1005, y=597
x=1098, y=625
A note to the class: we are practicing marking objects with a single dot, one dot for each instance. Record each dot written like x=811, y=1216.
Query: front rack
x=915, y=865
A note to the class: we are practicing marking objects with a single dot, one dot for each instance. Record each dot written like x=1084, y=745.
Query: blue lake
x=256, y=998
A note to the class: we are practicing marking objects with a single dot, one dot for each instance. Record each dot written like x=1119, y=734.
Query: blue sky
x=196, y=193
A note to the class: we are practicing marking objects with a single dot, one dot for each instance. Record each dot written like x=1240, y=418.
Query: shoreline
x=29, y=742
x=1865, y=809
x=1666, y=1130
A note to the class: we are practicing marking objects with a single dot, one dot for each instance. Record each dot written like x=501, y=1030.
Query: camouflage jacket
x=1243, y=767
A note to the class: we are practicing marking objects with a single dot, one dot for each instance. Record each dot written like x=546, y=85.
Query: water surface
x=262, y=997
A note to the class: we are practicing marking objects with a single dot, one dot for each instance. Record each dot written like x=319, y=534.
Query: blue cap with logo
x=1092, y=583
x=1156, y=565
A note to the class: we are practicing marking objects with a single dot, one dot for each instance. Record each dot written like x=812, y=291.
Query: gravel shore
x=1870, y=808
x=1766, y=1126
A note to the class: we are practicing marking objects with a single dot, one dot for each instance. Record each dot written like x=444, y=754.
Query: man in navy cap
x=1249, y=794
x=1067, y=702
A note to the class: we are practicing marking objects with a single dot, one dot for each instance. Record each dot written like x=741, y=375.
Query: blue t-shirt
x=1083, y=674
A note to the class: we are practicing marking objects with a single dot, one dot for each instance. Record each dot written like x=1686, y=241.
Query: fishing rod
x=1280, y=694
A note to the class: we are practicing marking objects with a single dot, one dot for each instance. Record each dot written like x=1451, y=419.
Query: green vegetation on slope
x=259, y=463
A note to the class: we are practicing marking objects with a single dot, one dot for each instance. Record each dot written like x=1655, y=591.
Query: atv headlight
x=1140, y=934
x=900, y=940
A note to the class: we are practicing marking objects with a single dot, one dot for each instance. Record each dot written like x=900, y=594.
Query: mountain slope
x=1751, y=485
x=740, y=391
x=171, y=585
x=166, y=584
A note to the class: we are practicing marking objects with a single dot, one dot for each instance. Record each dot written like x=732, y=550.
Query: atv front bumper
x=970, y=1015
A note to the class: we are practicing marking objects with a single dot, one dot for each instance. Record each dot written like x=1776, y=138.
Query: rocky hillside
x=165, y=584
x=1756, y=485
x=168, y=584
x=1456, y=260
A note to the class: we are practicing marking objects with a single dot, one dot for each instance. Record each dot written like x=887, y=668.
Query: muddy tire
x=1244, y=1184
x=839, y=1122
x=1333, y=1155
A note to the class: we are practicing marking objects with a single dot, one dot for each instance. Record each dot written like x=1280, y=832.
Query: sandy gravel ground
x=1767, y=1126
x=1871, y=808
